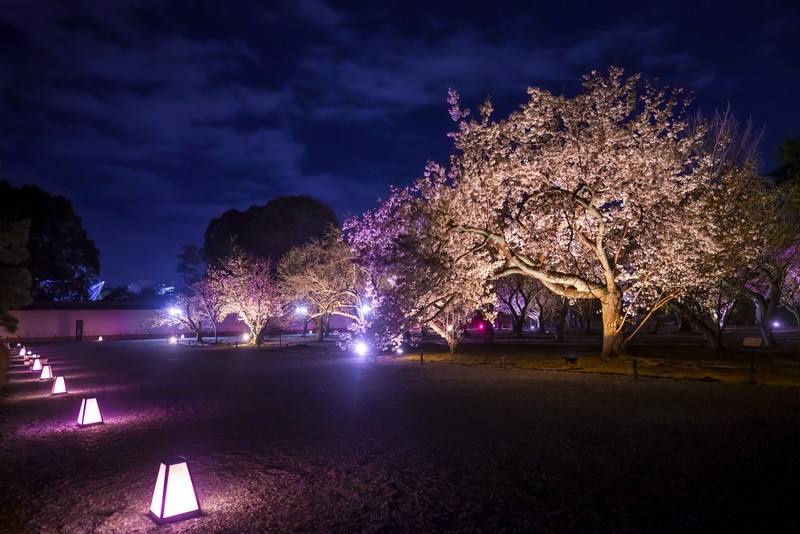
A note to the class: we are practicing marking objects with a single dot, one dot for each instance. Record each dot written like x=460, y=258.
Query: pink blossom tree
x=181, y=312
x=420, y=277
x=599, y=196
x=246, y=286
x=207, y=303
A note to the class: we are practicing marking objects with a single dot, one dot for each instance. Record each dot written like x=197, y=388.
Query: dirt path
x=291, y=440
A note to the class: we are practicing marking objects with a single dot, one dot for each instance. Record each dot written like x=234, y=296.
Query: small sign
x=752, y=342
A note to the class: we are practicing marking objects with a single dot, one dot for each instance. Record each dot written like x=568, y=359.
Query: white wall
x=61, y=323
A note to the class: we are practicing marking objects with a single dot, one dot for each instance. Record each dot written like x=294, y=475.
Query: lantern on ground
x=47, y=373
x=174, y=497
x=100, y=338
x=90, y=413
x=22, y=351
x=59, y=386
x=37, y=365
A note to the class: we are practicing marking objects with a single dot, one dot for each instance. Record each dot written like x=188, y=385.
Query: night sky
x=154, y=117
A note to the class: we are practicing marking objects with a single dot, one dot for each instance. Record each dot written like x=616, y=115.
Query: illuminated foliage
x=245, y=286
x=600, y=196
x=322, y=276
x=420, y=276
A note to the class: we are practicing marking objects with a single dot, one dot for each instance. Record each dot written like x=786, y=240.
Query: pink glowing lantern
x=37, y=365
x=174, y=497
x=90, y=413
x=47, y=373
x=59, y=386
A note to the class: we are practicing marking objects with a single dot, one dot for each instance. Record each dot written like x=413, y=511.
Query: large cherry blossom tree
x=599, y=196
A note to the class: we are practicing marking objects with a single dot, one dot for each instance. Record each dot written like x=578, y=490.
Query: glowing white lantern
x=246, y=336
x=361, y=348
x=173, y=340
x=90, y=413
x=47, y=373
x=22, y=351
x=174, y=497
x=182, y=337
x=100, y=338
x=37, y=365
x=59, y=386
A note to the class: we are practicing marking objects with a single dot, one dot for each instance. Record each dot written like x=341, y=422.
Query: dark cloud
x=154, y=117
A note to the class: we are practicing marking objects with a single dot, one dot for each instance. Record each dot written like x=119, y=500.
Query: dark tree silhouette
x=268, y=231
x=189, y=267
x=63, y=261
x=15, y=279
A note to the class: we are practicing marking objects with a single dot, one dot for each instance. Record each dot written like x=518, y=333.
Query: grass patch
x=733, y=370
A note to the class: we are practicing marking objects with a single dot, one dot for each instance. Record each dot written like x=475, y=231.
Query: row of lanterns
x=174, y=496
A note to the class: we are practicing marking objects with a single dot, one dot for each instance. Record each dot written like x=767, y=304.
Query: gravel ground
x=304, y=440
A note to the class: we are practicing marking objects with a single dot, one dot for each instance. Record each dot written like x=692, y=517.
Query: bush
x=5, y=361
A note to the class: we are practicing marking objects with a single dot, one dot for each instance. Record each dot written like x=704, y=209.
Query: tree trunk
x=488, y=332
x=685, y=324
x=517, y=323
x=560, y=320
x=319, y=328
x=611, y=306
x=540, y=318
x=655, y=324
x=762, y=318
x=452, y=343
x=714, y=338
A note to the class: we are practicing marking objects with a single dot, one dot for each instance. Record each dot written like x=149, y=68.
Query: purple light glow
x=174, y=496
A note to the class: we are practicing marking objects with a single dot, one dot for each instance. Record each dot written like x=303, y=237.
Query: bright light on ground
x=173, y=340
x=361, y=348
x=246, y=337
x=174, y=311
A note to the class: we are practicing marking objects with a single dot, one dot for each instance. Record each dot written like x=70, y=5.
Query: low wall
x=64, y=323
